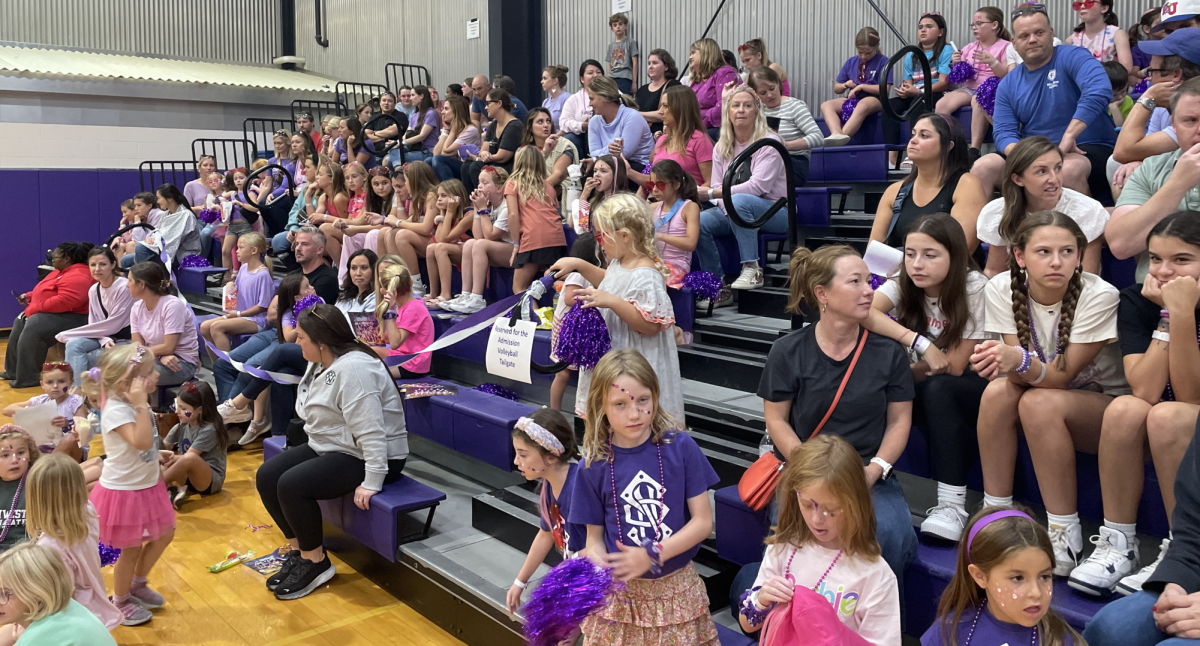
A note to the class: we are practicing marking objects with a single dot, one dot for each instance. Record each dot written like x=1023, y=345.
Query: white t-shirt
x=1095, y=321
x=500, y=221
x=863, y=593
x=936, y=319
x=1086, y=212
x=125, y=468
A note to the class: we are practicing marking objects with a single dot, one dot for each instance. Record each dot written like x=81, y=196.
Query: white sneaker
x=907, y=165
x=418, y=288
x=724, y=300
x=453, y=304
x=750, y=278
x=833, y=141
x=945, y=521
x=231, y=414
x=1133, y=583
x=255, y=431
x=1115, y=556
x=473, y=303
x=1068, y=545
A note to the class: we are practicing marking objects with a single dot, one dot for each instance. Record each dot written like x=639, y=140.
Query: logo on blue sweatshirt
x=1051, y=79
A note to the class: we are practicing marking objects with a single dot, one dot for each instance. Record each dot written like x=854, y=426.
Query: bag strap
x=100, y=298
x=862, y=343
x=897, y=206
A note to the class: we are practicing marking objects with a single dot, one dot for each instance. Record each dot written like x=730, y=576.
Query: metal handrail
x=788, y=201
x=918, y=106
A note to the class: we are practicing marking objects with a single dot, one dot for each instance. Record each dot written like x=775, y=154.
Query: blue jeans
x=424, y=154
x=206, y=238
x=254, y=351
x=1130, y=622
x=581, y=143
x=82, y=354
x=446, y=167
x=287, y=358
x=625, y=85
x=168, y=377
x=395, y=158
x=800, y=164
x=280, y=244
x=715, y=224
x=141, y=253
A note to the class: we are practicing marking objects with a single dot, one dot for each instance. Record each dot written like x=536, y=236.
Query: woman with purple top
x=289, y=153
x=164, y=323
x=352, y=145
x=615, y=128
x=425, y=126
x=254, y=288
x=196, y=191
x=109, y=303
x=709, y=74
x=859, y=78
x=554, y=78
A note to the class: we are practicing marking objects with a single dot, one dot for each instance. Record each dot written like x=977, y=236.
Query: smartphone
x=16, y=295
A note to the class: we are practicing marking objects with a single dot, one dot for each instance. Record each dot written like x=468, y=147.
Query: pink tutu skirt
x=131, y=518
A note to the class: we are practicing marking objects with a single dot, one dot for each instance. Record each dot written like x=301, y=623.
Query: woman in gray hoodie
x=354, y=419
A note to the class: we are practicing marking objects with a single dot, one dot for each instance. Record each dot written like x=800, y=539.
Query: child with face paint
x=200, y=437
x=57, y=378
x=1002, y=586
x=17, y=454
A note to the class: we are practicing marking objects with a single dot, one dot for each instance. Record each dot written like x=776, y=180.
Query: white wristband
x=519, y=583
x=1165, y=337
x=921, y=344
x=1041, y=376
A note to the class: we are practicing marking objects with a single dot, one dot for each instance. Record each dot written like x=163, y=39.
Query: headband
x=539, y=434
x=93, y=374
x=989, y=519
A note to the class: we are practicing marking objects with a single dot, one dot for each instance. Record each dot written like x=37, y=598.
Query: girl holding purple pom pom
x=631, y=294
x=585, y=248
x=859, y=79
x=990, y=54
x=642, y=492
x=545, y=446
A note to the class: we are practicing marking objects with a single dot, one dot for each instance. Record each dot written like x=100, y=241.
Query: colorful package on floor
x=269, y=564
x=231, y=560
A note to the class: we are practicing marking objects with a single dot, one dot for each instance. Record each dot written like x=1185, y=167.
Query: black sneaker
x=973, y=155
x=305, y=577
x=290, y=561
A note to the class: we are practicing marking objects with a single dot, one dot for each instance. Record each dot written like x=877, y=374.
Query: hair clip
x=539, y=434
x=93, y=374
x=56, y=365
x=189, y=387
x=138, y=355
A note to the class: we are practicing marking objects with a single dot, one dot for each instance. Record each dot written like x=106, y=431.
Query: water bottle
x=766, y=445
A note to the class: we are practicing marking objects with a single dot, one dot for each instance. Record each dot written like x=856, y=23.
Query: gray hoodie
x=352, y=407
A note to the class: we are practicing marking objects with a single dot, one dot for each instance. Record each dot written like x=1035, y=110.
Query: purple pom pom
x=1141, y=87
x=704, y=284
x=985, y=95
x=848, y=108
x=961, y=73
x=498, y=390
x=208, y=216
x=877, y=281
x=570, y=592
x=194, y=261
x=582, y=337
x=108, y=555
x=311, y=300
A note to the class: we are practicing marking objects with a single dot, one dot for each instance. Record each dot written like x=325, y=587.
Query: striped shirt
x=795, y=122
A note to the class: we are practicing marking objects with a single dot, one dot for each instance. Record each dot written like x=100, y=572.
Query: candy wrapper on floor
x=231, y=560
x=570, y=592
x=269, y=564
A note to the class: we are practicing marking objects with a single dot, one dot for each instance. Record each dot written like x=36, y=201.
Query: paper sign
x=510, y=348
x=36, y=420
x=472, y=28
x=621, y=6
x=883, y=260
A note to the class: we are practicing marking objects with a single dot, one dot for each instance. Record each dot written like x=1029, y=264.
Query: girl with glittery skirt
x=1002, y=586
x=822, y=577
x=642, y=492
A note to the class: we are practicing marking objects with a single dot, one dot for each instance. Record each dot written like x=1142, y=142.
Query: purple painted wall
x=42, y=208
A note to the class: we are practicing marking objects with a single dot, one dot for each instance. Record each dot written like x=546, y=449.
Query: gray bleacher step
x=720, y=366
x=765, y=301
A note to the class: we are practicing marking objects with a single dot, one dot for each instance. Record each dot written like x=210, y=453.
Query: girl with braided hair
x=1055, y=372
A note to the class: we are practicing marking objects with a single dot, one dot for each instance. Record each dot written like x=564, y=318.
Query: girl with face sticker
x=17, y=453
x=1002, y=586
x=56, y=386
x=193, y=455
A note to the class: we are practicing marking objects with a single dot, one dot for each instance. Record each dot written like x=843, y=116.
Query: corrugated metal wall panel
x=809, y=38
x=241, y=31
x=365, y=35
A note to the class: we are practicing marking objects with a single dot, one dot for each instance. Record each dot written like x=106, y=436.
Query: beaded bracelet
x=1026, y=359
x=654, y=551
x=750, y=610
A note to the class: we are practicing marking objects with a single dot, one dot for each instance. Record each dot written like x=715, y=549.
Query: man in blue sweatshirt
x=1061, y=93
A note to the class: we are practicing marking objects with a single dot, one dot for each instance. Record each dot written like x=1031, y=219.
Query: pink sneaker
x=145, y=596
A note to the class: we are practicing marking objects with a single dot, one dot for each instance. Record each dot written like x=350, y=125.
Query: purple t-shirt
x=988, y=632
x=431, y=120
x=686, y=472
x=253, y=289
x=171, y=316
x=854, y=70
x=194, y=192
x=339, y=147
x=573, y=535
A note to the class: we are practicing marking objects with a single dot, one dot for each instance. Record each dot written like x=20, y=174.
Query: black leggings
x=891, y=127
x=1098, y=155
x=291, y=483
x=948, y=409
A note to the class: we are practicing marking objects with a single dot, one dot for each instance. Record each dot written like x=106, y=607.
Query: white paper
x=621, y=6
x=472, y=28
x=84, y=428
x=36, y=420
x=883, y=260
x=510, y=348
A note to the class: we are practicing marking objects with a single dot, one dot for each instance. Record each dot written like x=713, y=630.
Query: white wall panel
x=43, y=145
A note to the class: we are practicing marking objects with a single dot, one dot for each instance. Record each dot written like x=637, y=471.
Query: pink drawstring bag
x=808, y=620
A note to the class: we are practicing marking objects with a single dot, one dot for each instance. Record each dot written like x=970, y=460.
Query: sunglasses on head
x=378, y=171
x=1028, y=9
x=56, y=365
x=304, y=115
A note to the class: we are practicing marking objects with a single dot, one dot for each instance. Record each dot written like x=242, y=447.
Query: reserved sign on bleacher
x=510, y=348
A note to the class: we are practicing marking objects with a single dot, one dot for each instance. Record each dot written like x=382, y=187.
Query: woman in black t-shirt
x=500, y=141
x=939, y=183
x=805, y=369
x=1164, y=371
x=661, y=70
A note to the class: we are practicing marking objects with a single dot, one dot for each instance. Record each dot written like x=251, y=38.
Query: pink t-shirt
x=83, y=562
x=699, y=149
x=171, y=316
x=414, y=317
x=983, y=72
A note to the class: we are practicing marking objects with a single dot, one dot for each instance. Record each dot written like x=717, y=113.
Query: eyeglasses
x=1156, y=70
x=1084, y=4
x=56, y=365
x=1028, y=9
x=979, y=23
x=492, y=101
x=653, y=185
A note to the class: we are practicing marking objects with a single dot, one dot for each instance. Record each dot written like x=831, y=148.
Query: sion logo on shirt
x=644, y=509
x=842, y=601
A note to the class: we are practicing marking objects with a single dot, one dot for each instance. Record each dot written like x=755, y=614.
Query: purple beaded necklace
x=787, y=571
x=1033, y=638
x=12, y=508
x=1037, y=345
x=612, y=475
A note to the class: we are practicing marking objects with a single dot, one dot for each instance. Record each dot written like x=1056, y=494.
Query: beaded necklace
x=1037, y=346
x=12, y=508
x=612, y=475
x=787, y=571
x=1033, y=638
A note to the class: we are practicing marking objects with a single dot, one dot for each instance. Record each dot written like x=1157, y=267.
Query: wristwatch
x=1148, y=103
x=883, y=464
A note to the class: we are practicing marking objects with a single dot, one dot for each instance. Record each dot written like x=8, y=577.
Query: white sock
x=952, y=495
x=1062, y=521
x=1128, y=529
x=996, y=501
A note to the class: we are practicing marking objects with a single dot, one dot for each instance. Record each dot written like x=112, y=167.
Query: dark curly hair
x=76, y=252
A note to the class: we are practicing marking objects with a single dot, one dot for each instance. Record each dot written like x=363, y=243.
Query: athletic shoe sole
x=321, y=580
x=1088, y=588
x=145, y=604
x=252, y=434
x=942, y=532
x=1125, y=590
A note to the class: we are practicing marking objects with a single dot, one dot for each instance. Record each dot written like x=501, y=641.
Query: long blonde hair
x=391, y=278
x=711, y=59
x=56, y=500
x=117, y=369
x=830, y=462
x=627, y=212
x=38, y=578
x=529, y=175
x=259, y=242
x=613, y=366
x=728, y=140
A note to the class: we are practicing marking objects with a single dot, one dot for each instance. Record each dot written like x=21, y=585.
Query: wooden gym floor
x=234, y=607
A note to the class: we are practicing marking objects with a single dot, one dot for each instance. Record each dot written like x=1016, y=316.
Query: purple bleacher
x=731, y=637
x=378, y=526
x=850, y=164
x=740, y=530
x=683, y=301
x=869, y=134
x=234, y=339
x=483, y=426
x=418, y=414
x=813, y=208
x=193, y=280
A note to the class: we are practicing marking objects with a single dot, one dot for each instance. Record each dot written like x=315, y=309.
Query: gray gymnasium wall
x=809, y=38
x=366, y=35
x=240, y=31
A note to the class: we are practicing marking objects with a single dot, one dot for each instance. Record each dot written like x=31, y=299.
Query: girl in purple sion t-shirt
x=255, y=288
x=1007, y=600
x=642, y=491
x=859, y=78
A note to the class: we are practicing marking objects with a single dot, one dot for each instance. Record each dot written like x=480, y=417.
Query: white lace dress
x=646, y=289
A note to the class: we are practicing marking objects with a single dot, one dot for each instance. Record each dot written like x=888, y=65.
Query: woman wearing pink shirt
x=684, y=139
x=163, y=322
x=709, y=74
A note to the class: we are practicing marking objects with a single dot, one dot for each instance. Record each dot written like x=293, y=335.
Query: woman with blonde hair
x=709, y=77
x=38, y=608
x=533, y=218
x=615, y=128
